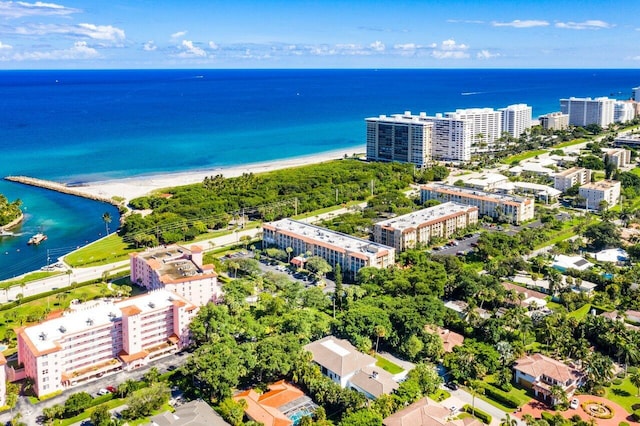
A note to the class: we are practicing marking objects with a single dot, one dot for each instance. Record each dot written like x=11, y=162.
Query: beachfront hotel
x=515, y=209
x=585, y=111
x=102, y=337
x=420, y=227
x=402, y=137
x=351, y=253
x=516, y=119
x=176, y=269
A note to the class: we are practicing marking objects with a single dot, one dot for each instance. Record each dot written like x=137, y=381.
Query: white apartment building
x=103, y=337
x=486, y=126
x=619, y=156
x=585, y=111
x=452, y=138
x=420, y=227
x=517, y=209
x=635, y=94
x=604, y=190
x=516, y=119
x=628, y=139
x=565, y=179
x=623, y=111
x=177, y=269
x=554, y=121
x=402, y=137
x=351, y=253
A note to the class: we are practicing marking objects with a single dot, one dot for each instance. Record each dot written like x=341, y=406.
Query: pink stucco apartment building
x=177, y=269
x=102, y=337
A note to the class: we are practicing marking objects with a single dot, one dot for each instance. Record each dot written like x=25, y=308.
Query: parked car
x=452, y=385
x=111, y=389
x=103, y=391
x=574, y=403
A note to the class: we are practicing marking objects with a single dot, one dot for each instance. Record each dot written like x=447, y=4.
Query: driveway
x=461, y=397
x=535, y=408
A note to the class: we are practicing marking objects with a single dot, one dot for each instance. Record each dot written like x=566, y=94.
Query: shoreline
x=15, y=222
x=138, y=186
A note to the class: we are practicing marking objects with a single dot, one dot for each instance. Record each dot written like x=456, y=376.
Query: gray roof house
x=194, y=413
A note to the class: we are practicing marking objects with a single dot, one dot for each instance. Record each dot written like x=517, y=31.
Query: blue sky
x=319, y=34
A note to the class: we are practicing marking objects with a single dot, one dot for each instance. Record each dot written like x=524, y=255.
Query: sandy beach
x=130, y=188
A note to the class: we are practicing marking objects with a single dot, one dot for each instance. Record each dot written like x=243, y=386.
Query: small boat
x=4, y=233
x=37, y=239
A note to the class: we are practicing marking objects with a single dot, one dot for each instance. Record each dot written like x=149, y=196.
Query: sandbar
x=133, y=187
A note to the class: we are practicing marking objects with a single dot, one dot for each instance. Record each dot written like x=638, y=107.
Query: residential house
x=282, y=405
x=539, y=373
x=450, y=339
x=427, y=412
x=344, y=364
x=194, y=413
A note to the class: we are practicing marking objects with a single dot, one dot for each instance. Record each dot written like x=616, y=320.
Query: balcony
x=93, y=371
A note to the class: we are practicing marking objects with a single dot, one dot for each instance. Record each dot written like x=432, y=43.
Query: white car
x=103, y=391
x=574, y=403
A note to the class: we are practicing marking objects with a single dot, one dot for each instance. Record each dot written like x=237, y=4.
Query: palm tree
x=635, y=381
x=558, y=395
x=380, y=332
x=508, y=421
x=106, y=218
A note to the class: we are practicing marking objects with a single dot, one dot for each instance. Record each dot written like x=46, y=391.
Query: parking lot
x=461, y=245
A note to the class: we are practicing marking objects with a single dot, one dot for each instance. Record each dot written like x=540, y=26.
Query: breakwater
x=59, y=187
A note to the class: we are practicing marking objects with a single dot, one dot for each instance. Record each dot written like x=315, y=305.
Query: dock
x=59, y=187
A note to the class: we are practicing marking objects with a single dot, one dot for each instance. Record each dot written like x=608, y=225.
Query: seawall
x=59, y=187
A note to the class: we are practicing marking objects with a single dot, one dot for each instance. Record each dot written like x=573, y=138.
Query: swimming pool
x=298, y=415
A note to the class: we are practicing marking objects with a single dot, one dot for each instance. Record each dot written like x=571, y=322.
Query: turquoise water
x=79, y=126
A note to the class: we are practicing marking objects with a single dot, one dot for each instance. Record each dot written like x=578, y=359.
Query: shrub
x=636, y=415
x=623, y=424
x=620, y=375
x=632, y=370
x=500, y=396
x=598, y=390
x=617, y=381
x=484, y=417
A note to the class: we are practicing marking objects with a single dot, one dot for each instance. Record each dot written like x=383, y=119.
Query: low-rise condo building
x=420, y=227
x=566, y=179
x=103, y=337
x=554, y=121
x=596, y=192
x=619, y=156
x=177, y=269
x=350, y=252
x=627, y=140
x=506, y=207
x=404, y=138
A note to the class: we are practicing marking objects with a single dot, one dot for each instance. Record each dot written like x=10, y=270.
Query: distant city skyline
x=92, y=34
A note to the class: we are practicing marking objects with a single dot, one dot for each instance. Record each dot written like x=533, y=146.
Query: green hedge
x=499, y=395
x=617, y=381
x=476, y=412
x=101, y=400
x=15, y=303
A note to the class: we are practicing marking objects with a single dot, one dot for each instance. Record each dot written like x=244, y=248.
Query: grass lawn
x=521, y=394
x=635, y=171
x=388, y=365
x=440, y=395
x=107, y=250
x=554, y=306
x=623, y=394
x=569, y=143
x=580, y=313
x=34, y=276
x=523, y=156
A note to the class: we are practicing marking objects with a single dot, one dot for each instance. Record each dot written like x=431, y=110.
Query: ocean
x=82, y=126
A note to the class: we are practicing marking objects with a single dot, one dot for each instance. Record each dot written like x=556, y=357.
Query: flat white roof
x=601, y=184
x=337, y=239
x=571, y=262
x=487, y=179
x=611, y=255
x=335, y=348
x=538, y=187
x=419, y=217
x=474, y=192
x=93, y=314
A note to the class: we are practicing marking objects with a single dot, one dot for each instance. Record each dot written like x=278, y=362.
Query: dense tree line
x=9, y=211
x=184, y=212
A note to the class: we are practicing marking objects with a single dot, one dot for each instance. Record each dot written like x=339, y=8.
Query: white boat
x=37, y=239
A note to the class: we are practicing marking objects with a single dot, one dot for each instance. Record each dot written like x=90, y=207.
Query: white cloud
x=5, y=46
x=179, y=34
x=451, y=54
x=449, y=49
x=452, y=45
x=485, y=54
x=213, y=45
x=79, y=50
x=528, y=23
x=189, y=50
x=634, y=58
x=19, y=9
x=378, y=46
x=406, y=46
x=149, y=46
x=591, y=24
x=95, y=32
